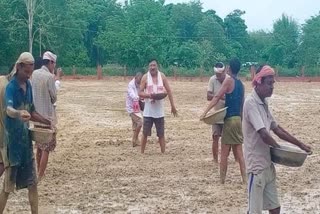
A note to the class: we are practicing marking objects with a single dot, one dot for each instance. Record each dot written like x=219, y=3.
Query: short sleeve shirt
x=214, y=86
x=19, y=143
x=256, y=116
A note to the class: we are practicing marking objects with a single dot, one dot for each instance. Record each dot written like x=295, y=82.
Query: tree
x=259, y=43
x=236, y=32
x=184, y=18
x=309, y=50
x=285, y=42
x=210, y=29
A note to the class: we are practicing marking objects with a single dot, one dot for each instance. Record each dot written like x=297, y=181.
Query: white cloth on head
x=219, y=70
x=50, y=56
x=154, y=108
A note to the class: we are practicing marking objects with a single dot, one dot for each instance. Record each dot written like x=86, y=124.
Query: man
x=233, y=90
x=4, y=80
x=133, y=108
x=257, y=124
x=45, y=95
x=214, y=86
x=20, y=109
x=154, y=82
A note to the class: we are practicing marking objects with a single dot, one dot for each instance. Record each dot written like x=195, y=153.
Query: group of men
x=248, y=121
x=144, y=87
x=21, y=101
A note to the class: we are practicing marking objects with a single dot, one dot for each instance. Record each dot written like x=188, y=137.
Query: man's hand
x=203, y=116
x=174, y=111
x=25, y=116
x=305, y=147
x=47, y=122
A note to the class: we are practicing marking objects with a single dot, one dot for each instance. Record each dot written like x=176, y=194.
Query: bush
x=312, y=72
x=117, y=70
x=287, y=72
x=107, y=70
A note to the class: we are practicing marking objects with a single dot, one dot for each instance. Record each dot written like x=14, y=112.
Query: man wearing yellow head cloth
x=20, y=172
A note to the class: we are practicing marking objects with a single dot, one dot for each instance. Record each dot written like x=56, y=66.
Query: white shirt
x=132, y=94
x=154, y=108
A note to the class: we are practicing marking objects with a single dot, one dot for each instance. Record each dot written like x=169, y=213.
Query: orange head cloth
x=265, y=71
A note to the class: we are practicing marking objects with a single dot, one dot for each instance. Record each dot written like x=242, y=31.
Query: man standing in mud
x=152, y=83
x=21, y=172
x=256, y=125
x=133, y=108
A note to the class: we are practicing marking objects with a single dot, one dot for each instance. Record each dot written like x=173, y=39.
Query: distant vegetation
x=87, y=33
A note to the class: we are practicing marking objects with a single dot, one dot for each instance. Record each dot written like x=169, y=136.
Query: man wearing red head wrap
x=257, y=123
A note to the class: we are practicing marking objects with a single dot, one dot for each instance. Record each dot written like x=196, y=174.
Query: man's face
x=51, y=66
x=221, y=76
x=153, y=68
x=138, y=79
x=266, y=87
x=25, y=70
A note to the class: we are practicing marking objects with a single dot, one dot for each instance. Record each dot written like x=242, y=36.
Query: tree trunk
x=99, y=72
x=30, y=4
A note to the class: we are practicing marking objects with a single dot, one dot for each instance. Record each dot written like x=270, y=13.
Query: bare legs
x=161, y=142
x=135, y=137
x=215, y=147
x=42, y=162
x=225, y=150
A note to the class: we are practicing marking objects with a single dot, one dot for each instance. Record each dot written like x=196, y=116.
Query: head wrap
x=50, y=56
x=265, y=71
x=25, y=58
x=219, y=70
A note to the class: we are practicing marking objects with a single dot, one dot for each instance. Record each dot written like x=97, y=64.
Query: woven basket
x=40, y=135
x=215, y=117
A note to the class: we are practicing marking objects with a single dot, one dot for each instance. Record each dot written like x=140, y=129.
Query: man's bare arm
x=143, y=86
x=284, y=135
x=267, y=138
x=169, y=92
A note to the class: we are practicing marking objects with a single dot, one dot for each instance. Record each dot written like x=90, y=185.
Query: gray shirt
x=256, y=116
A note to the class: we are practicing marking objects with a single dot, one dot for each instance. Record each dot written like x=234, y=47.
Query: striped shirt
x=44, y=92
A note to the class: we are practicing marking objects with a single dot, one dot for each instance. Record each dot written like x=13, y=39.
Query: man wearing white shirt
x=152, y=83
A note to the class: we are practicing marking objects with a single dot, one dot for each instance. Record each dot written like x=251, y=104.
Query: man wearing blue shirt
x=20, y=109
